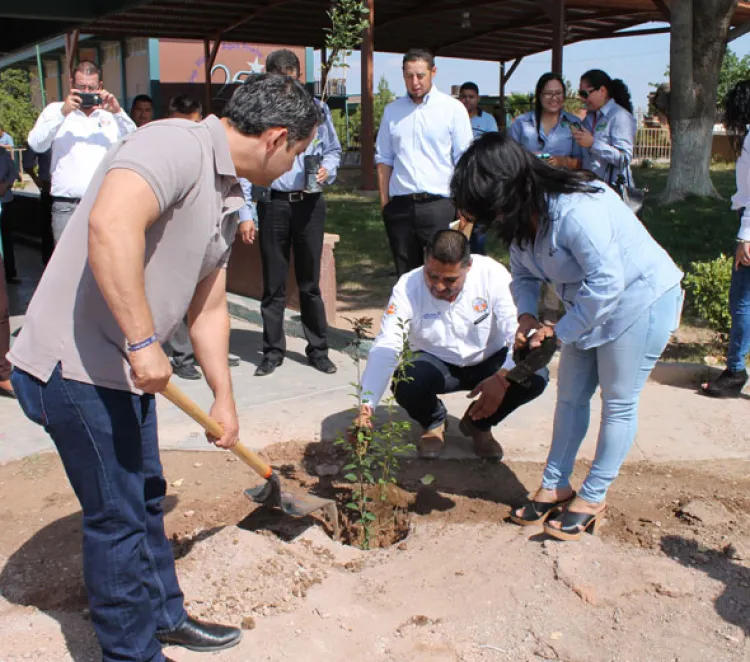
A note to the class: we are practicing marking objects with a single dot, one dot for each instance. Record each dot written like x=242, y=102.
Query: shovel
x=268, y=495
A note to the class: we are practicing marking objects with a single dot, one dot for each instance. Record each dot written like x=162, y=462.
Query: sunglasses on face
x=584, y=94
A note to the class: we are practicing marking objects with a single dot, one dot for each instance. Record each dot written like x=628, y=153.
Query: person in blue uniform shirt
x=421, y=137
x=292, y=216
x=608, y=132
x=547, y=130
x=622, y=299
x=481, y=121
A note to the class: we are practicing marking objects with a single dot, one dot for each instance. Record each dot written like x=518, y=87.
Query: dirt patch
x=241, y=564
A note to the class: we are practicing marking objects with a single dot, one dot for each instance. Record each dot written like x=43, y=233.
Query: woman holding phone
x=546, y=131
x=608, y=132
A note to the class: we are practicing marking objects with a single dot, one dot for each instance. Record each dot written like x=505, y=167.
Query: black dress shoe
x=727, y=385
x=201, y=637
x=322, y=363
x=268, y=365
x=186, y=371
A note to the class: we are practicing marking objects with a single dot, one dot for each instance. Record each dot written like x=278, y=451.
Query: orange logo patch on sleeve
x=391, y=310
x=479, y=305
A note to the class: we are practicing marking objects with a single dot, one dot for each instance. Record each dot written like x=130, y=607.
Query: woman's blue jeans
x=739, y=307
x=621, y=368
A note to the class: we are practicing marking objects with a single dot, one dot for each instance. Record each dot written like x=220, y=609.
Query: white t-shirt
x=479, y=323
x=79, y=143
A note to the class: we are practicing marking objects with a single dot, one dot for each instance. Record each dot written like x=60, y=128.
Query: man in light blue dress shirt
x=291, y=215
x=422, y=135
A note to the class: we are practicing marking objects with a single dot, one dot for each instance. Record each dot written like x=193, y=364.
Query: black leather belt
x=419, y=197
x=292, y=196
x=57, y=198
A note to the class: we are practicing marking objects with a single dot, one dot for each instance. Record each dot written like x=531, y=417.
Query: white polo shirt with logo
x=480, y=322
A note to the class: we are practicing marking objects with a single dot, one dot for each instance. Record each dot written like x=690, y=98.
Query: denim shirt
x=614, y=136
x=605, y=266
x=559, y=142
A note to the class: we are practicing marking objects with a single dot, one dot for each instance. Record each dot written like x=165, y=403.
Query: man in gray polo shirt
x=147, y=245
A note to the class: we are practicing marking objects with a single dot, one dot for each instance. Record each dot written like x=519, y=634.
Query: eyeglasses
x=553, y=95
x=584, y=94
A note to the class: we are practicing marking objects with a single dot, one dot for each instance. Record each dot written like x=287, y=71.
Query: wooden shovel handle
x=179, y=399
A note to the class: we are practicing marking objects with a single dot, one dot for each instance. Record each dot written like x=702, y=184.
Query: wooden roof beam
x=541, y=19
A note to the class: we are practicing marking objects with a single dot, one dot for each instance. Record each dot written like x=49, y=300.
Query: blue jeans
x=621, y=368
x=107, y=440
x=739, y=307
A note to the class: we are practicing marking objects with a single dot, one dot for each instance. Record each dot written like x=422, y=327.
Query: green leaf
x=368, y=516
x=427, y=479
x=352, y=506
x=349, y=467
x=352, y=478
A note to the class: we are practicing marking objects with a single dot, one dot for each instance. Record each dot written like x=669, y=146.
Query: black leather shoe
x=322, y=363
x=727, y=385
x=268, y=365
x=186, y=371
x=201, y=637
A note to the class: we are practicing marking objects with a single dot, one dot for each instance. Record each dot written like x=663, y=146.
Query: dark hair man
x=148, y=244
x=292, y=215
x=421, y=137
x=460, y=320
x=185, y=107
x=142, y=109
x=481, y=122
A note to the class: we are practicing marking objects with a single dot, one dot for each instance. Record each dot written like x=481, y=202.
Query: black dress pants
x=411, y=224
x=429, y=377
x=299, y=226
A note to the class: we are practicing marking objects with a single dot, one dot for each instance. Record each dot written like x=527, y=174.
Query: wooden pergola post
x=558, y=35
x=367, y=138
x=503, y=123
x=71, y=51
x=209, y=52
x=504, y=78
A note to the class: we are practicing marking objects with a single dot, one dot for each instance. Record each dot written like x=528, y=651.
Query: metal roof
x=473, y=29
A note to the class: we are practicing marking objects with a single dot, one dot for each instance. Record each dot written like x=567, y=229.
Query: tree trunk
x=699, y=30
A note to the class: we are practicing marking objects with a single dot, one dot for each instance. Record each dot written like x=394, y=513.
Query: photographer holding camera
x=79, y=130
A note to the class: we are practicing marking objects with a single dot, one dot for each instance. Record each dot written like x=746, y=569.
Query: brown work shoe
x=485, y=445
x=431, y=442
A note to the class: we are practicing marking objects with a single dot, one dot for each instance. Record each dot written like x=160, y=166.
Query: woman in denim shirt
x=547, y=129
x=608, y=132
x=622, y=298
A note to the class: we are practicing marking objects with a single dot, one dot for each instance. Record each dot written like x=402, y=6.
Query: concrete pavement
x=297, y=403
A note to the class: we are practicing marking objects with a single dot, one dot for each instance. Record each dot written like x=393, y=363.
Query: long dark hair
x=737, y=114
x=616, y=89
x=497, y=182
x=543, y=80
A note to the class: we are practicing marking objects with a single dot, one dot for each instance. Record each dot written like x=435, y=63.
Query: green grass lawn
x=697, y=229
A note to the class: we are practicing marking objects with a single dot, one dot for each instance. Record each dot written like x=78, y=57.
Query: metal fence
x=652, y=141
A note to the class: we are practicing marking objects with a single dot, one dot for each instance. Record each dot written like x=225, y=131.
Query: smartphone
x=90, y=99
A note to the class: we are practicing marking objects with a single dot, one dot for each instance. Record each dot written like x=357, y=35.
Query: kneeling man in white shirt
x=458, y=315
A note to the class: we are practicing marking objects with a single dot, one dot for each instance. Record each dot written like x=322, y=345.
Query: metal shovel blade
x=270, y=495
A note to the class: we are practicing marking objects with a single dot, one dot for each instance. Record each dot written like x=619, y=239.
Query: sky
x=637, y=60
